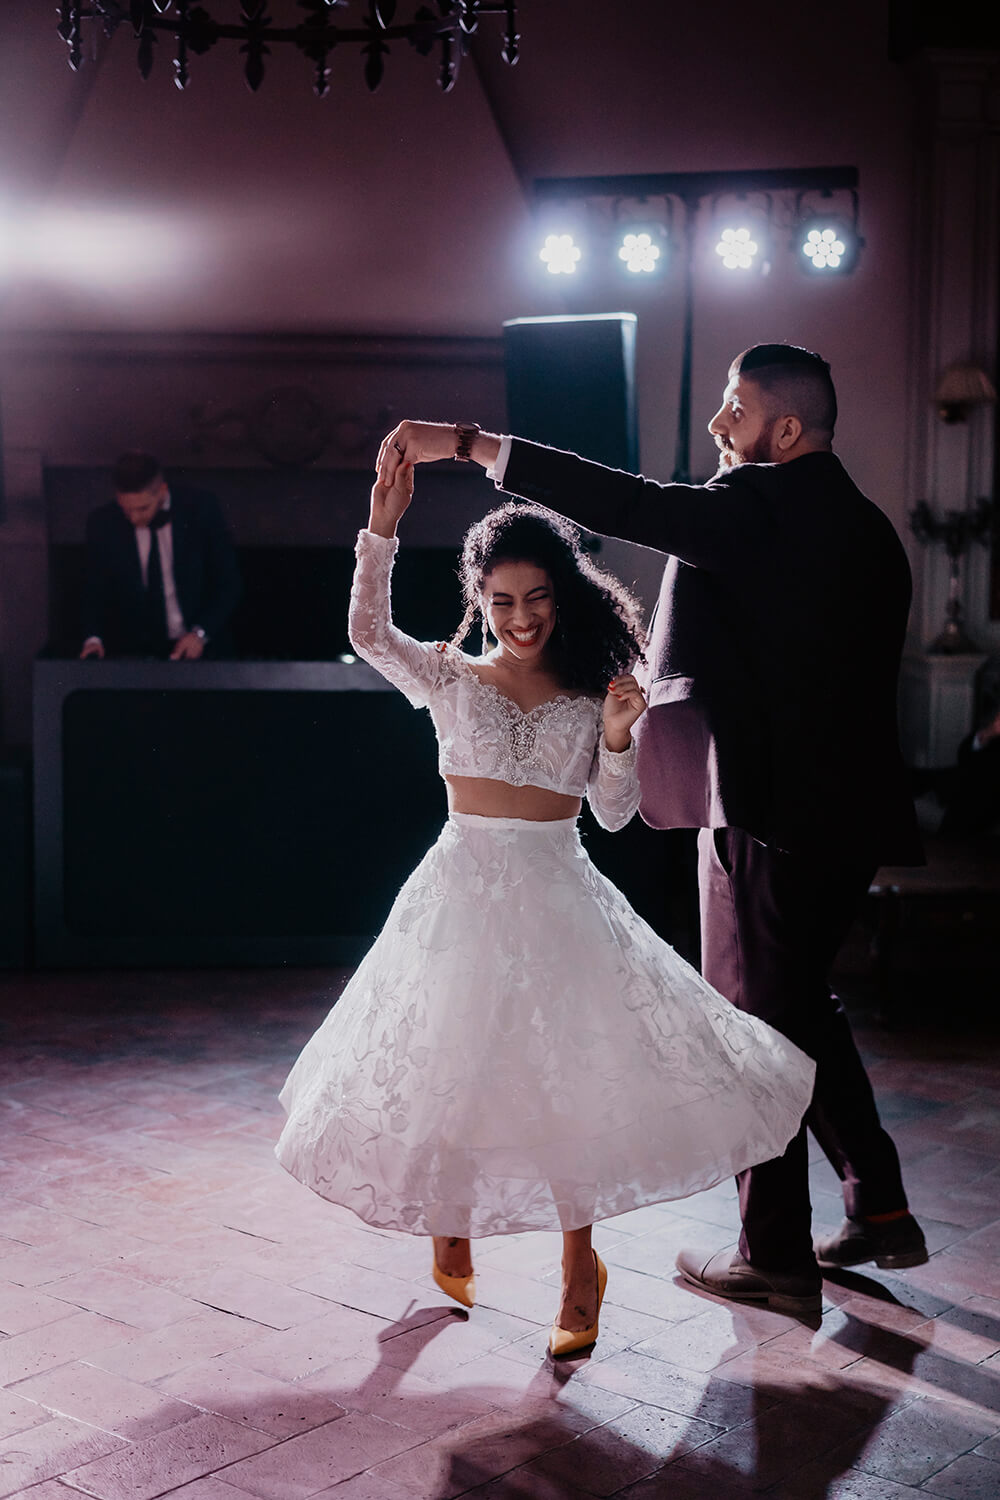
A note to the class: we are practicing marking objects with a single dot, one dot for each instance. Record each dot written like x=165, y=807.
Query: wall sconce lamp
x=960, y=388
x=957, y=529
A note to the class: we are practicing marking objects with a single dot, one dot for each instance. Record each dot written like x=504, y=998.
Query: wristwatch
x=466, y=432
x=197, y=630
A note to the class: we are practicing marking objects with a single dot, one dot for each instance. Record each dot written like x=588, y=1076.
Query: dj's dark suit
x=771, y=674
x=206, y=576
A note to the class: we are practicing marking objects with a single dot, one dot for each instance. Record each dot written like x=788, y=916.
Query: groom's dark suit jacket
x=206, y=574
x=774, y=649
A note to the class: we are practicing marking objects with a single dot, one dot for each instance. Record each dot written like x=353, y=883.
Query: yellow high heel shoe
x=561, y=1341
x=461, y=1288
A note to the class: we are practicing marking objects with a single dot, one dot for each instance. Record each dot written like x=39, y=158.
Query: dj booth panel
x=224, y=812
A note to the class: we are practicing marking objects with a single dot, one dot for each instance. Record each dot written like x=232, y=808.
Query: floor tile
x=17, y=1413
x=914, y=1444
x=22, y=1308
x=157, y=1464
x=53, y=1448
x=240, y=1394
x=475, y=1454
x=626, y=1449
x=104, y=1400
x=152, y=1355
x=123, y=1298
x=299, y=1467
x=967, y=1478
x=81, y=1334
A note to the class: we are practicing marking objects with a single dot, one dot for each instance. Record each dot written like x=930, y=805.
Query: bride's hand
x=623, y=705
x=389, y=501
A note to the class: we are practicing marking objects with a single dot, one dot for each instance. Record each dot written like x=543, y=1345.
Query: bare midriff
x=497, y=799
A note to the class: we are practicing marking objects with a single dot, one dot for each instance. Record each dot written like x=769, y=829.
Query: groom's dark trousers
x=771, y=925
x=771, y=675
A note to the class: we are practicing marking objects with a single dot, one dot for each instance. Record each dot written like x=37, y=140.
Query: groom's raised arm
x=705, y=525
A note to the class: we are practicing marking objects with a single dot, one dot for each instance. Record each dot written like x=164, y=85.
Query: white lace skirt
x=519, y=1050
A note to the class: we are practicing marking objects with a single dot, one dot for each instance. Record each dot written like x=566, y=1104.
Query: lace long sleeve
x=415, y=667
x=613, y=786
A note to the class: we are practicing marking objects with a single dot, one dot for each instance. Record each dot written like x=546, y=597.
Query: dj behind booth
x=161, y=573
x=199, y=808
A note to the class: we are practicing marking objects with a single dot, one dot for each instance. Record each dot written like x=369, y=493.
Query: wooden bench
x=960, y=882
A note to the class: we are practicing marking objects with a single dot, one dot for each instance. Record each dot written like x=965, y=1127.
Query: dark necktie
x=156, y=602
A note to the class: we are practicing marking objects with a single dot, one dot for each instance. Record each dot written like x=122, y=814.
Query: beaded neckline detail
x=526, y=713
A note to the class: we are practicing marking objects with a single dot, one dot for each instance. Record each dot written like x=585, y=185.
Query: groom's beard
x=757, y=452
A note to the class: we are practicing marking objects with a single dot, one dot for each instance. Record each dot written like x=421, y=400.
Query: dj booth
x=223, y=812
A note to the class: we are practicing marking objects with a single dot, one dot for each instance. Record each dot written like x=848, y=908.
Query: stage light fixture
x=738, y=248
x=560, y=254
x=735, y=220
x=641, y=251
x=827, y=246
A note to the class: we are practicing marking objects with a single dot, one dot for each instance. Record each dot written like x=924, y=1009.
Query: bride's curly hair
x=599, y=632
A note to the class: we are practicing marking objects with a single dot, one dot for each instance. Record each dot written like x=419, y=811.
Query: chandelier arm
x=375, y=48
x=147, y=43
x=69, y=29
x=449, y=65
x=182, y=73
x=509, y=52
x=256, y=21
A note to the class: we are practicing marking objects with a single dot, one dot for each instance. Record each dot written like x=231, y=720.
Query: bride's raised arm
x=415, y=667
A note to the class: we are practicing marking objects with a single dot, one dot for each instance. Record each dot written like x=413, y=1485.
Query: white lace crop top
x=481, y=732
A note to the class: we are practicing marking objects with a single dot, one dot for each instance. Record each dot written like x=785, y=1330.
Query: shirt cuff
x=499, y=469
x=370, y=541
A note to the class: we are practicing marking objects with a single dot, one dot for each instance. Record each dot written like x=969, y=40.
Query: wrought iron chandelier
x=449, y=27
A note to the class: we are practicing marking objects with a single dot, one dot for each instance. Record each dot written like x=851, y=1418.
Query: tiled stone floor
x=179, y=1317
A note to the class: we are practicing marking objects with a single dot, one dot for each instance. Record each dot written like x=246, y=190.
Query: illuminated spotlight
x=639, y=252
x=737, y=248
x=560, y=254
x=828, y=246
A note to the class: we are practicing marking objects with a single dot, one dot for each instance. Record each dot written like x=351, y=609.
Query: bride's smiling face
x=520, y=608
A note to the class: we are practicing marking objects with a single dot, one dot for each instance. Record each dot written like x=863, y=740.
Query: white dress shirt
x=165, y=541
x=499, y=469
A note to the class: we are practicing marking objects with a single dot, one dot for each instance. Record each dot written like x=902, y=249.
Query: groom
x=773, y=657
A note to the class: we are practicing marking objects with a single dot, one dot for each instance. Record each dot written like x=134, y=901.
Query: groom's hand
x=423, y=442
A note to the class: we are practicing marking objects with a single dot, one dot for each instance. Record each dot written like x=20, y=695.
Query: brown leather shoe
x=892, y=1246
x=727, y=1274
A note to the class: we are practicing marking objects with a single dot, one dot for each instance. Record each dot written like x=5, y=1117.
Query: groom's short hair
x=794, y=381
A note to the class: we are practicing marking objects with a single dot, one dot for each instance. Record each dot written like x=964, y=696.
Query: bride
x=518, y=1049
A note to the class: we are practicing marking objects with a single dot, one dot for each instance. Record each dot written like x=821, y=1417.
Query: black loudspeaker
x=571, y=384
